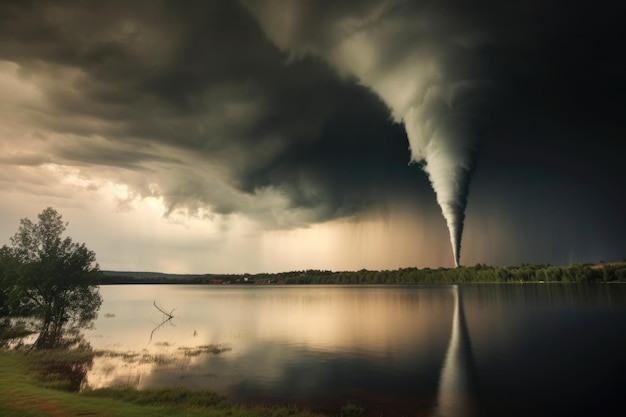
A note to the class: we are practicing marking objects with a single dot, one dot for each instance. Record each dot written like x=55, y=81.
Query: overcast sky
x=225, y=136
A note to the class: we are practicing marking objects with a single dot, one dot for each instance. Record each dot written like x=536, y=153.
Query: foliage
x=64, y=369
x=164, y=396
x=12, y=332
x=8, y=268
x=49, y=277
x=352, y=410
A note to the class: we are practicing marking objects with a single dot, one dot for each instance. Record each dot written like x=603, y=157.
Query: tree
x=6, y=267
x=49, y=278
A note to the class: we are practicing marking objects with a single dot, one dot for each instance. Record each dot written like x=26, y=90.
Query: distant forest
x=480, y=273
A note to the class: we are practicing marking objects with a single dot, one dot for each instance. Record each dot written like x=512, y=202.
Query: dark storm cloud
x=202, y=78
x=460, y=75
x=213, y=105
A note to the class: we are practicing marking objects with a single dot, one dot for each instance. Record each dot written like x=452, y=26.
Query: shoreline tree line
x=613, y=272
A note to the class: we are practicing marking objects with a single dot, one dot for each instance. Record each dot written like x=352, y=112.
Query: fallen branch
x=167, y=317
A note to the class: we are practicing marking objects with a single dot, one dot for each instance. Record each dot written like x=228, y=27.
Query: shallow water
x=502, y=350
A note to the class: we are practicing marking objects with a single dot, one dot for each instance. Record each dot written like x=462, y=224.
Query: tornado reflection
x=457, y=395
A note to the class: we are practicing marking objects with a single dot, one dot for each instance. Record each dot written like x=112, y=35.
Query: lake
x=472, y=350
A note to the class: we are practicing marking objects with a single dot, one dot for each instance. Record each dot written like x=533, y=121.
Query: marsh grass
x=198, y=350
x=26, y=390
x=129, y=356
x=64, y=369
x=164, y=397
x=165, y=359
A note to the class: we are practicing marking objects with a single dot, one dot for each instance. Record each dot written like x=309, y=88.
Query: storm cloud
x=292, y=114
x=197, y=100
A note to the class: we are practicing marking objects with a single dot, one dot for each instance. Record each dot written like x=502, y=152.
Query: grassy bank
x=25, y=392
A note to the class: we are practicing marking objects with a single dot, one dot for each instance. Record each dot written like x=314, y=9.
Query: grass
x=25, y=392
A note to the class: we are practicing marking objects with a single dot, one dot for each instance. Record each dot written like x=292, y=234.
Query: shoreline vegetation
x=603, y=272
x=39, y=383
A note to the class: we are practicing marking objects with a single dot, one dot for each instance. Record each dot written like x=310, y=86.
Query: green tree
x=49, y=277
x=6, y=266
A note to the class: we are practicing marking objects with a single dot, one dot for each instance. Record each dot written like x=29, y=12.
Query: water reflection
x=318, y=346
x=67, y=363
x=378, y=320
x=67, y=368
x=53, y=335
x=457, y=395
x=166, y=318
x=397, y=351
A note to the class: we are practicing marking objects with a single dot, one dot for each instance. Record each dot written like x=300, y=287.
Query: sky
x=275, y=135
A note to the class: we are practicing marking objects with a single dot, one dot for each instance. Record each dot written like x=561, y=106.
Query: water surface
x=513, y=350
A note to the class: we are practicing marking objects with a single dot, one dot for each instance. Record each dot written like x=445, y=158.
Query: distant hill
x=140, y=274
x=139, y=277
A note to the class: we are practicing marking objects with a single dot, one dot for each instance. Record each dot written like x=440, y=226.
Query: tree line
x=480, y=273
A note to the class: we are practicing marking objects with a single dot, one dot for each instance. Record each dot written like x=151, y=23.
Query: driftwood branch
x=167, y=317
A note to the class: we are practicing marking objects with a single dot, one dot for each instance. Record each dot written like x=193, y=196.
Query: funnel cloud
x=426, y=74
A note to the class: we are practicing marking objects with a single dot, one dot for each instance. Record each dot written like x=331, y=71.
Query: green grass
x=24, y=393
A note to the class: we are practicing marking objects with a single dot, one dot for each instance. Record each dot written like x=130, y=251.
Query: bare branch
x=169, y=315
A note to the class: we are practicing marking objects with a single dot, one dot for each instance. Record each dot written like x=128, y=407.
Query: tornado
x=442, y=141
x=451, y=185
x=427, y=74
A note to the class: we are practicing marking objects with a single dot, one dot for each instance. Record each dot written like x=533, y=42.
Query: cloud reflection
x=273, y=330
